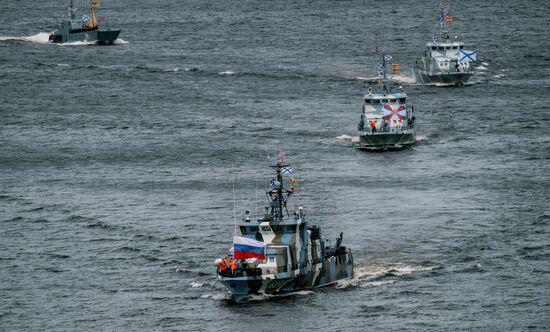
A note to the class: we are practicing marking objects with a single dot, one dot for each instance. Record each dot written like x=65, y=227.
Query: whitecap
x=196, y=284
x=228, y=72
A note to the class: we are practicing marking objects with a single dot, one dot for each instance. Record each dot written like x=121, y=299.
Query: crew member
x=232, y=265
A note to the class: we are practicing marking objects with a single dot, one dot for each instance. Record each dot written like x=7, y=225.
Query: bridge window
x=376, y=101
x=367, y=101
x=384, y=100
x=434, y=48
x=403, y=100
x=393, y=100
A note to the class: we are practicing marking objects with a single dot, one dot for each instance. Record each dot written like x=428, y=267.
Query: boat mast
x=280, y=193
x=71, y=10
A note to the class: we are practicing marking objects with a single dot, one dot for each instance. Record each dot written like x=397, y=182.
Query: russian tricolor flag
x=244, y=248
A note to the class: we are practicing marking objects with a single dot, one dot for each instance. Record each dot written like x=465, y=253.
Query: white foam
x=481, y=68
x=175, y=70
x=402, y=78
x=216, y=296
x=420, y=137
x=120, y=41
x=228, y=72
x=378, y=283
x=39, y=38
x=78, y=43
x=348, y=138
x=364, y=78
x=196, y=284
x=367, y=276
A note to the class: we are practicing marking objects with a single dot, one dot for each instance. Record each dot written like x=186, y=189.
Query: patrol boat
x=83, y=29
x=281, y=252
x=387, y=120
x=445, y=61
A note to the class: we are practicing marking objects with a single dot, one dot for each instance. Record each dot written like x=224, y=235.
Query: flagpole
x=234, y=207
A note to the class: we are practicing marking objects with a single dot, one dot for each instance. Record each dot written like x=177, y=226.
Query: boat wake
x=120, y=41
x=78, y=43
x=348, y=138
x=376, y=275
x=405, y=79
x=39, y=38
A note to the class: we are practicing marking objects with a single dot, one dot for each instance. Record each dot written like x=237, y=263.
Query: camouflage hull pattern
x=325, y=274
x=453, y=78
x=99, y=36
x=386, y=140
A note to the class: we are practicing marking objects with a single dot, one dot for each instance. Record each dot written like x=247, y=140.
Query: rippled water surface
x=117, y=166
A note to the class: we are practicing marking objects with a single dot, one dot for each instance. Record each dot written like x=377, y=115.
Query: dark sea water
x=117, y=166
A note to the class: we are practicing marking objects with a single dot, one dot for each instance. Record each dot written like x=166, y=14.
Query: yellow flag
x=95, y=4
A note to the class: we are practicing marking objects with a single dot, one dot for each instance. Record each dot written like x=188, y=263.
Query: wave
x=421, y=138
x=216, y=296
x=120, y=41
x=348, y=138
x=228, y=72
x=196, y=284
x=39, y=38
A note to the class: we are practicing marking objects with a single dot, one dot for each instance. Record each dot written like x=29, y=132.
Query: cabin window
x=253, y=228
x=384, y=100
x=275, y=228
x=440, y=48
x=290, y=228
x=434, y=48
x=302, y=226
x=393, y=101
x=271, y=259
x=266, y=228
x=461, y=47
x=376, y=101
x=447, y=47
x=243, y=230
x=402, y=100
x=367, y=101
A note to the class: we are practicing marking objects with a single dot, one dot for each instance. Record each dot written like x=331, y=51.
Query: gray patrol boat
x=84, y=29
x=387, y=120
x=445, y=61
x=280, y=252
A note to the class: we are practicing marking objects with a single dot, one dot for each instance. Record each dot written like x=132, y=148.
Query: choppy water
x=117, y=166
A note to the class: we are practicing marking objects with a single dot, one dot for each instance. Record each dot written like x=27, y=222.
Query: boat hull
x=99, y=36
x=386, y=140
x=328, y=273
x=454, y=78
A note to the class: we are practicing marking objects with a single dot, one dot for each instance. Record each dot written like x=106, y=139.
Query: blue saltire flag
x=85, y=18
x=388, y=57
x=381, y=66
x=286, y=170
x=467, y=56
x=271, y=182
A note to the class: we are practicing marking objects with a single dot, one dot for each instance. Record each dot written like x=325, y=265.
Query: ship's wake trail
x=379, y=275
x=39, y=38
